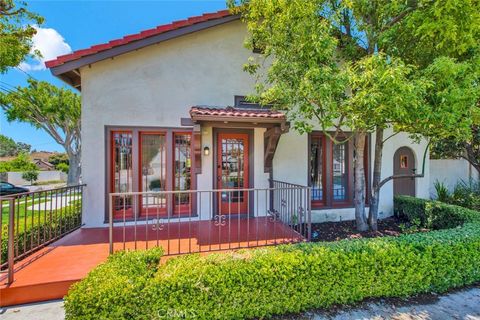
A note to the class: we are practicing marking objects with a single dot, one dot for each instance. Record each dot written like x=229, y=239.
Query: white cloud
x=50, y=43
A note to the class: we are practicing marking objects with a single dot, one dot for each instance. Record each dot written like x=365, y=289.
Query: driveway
x=464, y=304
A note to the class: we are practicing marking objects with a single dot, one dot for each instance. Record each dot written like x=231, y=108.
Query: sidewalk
x=464, y=304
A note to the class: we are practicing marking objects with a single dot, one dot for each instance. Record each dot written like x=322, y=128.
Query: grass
x=43, y=183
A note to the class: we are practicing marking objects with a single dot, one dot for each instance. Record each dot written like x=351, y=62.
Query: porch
x=45, y=267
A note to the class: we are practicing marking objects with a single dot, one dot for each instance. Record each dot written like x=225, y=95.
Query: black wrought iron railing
x=32, y=220
x=201, y=221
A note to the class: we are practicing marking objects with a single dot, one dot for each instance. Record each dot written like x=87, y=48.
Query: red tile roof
x=135, y=37
x=231, y=112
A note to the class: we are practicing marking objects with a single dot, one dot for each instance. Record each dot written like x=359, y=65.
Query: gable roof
x=66, y=67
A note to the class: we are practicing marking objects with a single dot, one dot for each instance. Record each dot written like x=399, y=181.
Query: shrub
x=30, y=175
x=433, y=214
x=277, y=280
x=466, y=194
x=442, y=192
x=114, y=289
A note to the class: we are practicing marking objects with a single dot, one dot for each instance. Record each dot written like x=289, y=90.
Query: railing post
x=309, y=214
x=110, y=223
x=11, y=239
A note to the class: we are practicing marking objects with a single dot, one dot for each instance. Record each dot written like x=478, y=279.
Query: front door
x=232, y=172
x=404, y=163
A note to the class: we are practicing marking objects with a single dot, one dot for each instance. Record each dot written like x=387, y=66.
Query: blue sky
x=85, y=23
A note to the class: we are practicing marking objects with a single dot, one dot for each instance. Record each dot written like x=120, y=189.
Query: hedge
x=39, y=228
x=277, y=280
x=433, y=214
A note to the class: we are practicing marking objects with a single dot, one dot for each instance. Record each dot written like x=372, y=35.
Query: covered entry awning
x=274, y=121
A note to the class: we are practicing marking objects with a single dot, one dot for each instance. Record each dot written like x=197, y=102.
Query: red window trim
x=322, y=138
x=136, y=133
x=327, y=153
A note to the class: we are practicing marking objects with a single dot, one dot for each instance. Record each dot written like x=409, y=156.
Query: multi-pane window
x=151, y=162
x=182, y=171
x=331, y=171
x=316, y=168
x=340, y=172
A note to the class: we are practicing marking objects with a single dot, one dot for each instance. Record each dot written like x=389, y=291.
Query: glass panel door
x=153, y=173
x=232, y=172
x=122, y=173
x=182, y=173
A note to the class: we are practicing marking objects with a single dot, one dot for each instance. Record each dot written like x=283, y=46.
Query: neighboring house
x=43, y=165
x=164, y=110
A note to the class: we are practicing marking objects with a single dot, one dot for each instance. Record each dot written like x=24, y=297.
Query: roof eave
x=68, y=71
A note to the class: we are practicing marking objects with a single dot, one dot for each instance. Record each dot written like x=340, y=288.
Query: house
x=167, y=133
x=43, y=165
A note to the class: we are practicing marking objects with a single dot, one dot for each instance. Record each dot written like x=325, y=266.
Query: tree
x=55, y=110
x=8, y=147
x=30, y=175
x=357, y=64
x=465, y=149
x=16, y=32
x=21, y=163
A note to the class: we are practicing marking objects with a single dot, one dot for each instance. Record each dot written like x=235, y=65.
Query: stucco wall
x=43, y=176
x=291, y=164
x=156, y=86
x=450, y=172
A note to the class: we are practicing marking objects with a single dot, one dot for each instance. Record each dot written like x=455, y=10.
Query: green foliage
x=433, y=214
x=16, y=32
x=30, y=175
x=467, y=194
x=114, y=289
x=278, y=280
x=62, y=167
x=34, y=229
x=56, y=159
x=8, y=147
x=54, y=109
x=21, y=163
x=451, y=148
x=441, y=190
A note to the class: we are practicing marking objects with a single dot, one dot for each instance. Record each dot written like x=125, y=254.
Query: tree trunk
x=359, y=170
x=377, y=174
x=74, y=169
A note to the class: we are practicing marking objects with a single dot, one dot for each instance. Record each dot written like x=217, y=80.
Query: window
x=182, y=172
x=317, y=168
x=403, y=161
x=122, y=173
x=331, y=171
x=340, y=172
x=151, y=161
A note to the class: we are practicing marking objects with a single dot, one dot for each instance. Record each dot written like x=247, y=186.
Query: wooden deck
x=49, y=273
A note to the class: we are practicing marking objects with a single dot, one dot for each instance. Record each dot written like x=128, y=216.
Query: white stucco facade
x=156, y=86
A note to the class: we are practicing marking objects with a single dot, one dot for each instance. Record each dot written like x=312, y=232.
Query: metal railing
x=184, y=222
x=32, y=220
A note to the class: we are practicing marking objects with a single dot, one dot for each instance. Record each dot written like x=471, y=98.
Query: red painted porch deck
x=51, y=271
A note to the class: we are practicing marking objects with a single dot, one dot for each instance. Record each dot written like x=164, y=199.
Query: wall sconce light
x=206, y=151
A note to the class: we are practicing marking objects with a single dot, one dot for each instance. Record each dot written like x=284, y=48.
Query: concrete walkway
x=464, y=304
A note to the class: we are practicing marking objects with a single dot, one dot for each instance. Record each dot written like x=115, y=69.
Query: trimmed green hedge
x=113, y=290
x=433, y=214
x=277, y=280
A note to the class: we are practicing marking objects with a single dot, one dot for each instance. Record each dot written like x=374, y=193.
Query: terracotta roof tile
x=197, y=111
x=135, y=37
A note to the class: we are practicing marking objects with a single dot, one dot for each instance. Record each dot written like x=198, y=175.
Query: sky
x=73, y=25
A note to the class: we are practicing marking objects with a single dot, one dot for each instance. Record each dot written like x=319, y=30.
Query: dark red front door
x=232, y=172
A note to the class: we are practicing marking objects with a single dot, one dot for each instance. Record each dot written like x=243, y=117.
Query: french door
x=151, y=162
x=232, y=172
